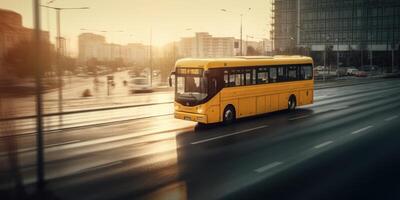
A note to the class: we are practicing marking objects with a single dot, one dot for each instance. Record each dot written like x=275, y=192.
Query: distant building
x=63, y=45
x=261, y=47
x=91, y=46
x=356, y=32
x=204, y=45
x=12, y=32
x=95, y=46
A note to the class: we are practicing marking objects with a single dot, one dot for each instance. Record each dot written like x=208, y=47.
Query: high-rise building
x=344, y=32
x=95, y=46
x=12, y=32
x=204, y=45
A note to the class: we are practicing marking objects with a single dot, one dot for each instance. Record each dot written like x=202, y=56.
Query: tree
x=92, y=65
x=68, y=63
x=251, y=51
x=19, y=59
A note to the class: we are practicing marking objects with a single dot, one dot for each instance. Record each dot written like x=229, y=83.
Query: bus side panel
x=268, y=104
x=261, y=105
x=274, y=102
x=303, y=98
x=213, y=110
x=283, y=101
x=247, y=106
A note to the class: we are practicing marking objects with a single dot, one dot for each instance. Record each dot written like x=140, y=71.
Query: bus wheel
x=292, y=103
x=229, y=115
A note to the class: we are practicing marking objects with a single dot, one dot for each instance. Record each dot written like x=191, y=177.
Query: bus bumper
x=191, y=117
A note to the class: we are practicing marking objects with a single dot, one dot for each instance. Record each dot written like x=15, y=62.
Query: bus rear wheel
x=229, y=115
x=292, y=103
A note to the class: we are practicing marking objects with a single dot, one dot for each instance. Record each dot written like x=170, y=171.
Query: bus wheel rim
x=228, y=115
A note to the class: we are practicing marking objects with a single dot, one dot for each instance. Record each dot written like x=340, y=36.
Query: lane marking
x=45, y=146
x=268, y=167
x=99, y=167
x=320, y=97
x=62, y=143
x=300, y=117
x=391, y=118
x=361, y=130
x=323, y=144
x=230, y=134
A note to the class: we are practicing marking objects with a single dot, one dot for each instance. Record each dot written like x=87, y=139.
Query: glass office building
x=348, y=32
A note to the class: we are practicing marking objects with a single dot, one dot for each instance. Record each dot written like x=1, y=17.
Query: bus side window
x=262, y=76
x=306, y=72
x=213, y=86
x=239, y=79
x=254, y=76
x=273, y=74
x=248, y=78
x=226, y=79
x=292, y=73
x=281, y=74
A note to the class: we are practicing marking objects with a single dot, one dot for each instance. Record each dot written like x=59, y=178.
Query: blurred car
x=140, y=84
x=361, y=74
x=351, y=71
x=320, y=68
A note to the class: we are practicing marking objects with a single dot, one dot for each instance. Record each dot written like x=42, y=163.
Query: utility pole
x=241, y=29
x=151, y=57
x=59, y=70
x=241, y=35
x=40, y=184
x=58, y=43
x=324, y=62
x=337, y=57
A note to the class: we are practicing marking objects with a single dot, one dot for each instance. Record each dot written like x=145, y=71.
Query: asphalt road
x=342, y=146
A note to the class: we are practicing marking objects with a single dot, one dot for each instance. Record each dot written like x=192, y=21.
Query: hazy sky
x=169, y=19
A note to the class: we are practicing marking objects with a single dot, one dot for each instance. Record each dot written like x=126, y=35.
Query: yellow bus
x=224, y=89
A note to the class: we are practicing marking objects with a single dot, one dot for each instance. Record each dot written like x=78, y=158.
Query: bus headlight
x=177, y=107
x=200, y=109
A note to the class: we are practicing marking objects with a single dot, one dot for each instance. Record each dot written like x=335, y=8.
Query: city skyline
x=169, y=21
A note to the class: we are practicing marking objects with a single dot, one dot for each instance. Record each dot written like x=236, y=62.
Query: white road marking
x=320, y=97
x=230, y=134
x=100, y=167
x=361, y=130
x=323, y=144
x=300, y=117
x=46, y=146
x=391, y=118
x=267, y=167
x=62, y=143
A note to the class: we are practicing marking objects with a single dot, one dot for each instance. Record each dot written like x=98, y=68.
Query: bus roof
x=208, y=63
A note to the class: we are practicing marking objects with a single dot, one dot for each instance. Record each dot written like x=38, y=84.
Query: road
x=158, y=157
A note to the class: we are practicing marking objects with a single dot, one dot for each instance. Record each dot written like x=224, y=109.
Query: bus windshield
x=191, y=88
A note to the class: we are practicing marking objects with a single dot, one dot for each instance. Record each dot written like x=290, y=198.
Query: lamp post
x=241, y=28
x=58, y=43
x=39, y=103
x=326, y=40
x=151, y=57
x=337, y=57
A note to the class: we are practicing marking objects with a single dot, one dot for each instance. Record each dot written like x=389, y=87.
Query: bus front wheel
x=292, y=103
x=229, y=115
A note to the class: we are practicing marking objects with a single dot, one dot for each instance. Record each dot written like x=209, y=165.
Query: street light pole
x=241, y=35
x=241, y=30
x=59, y=70
x=58, y=43
x=151, y=57
x=337, y=57
x=39, y=103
